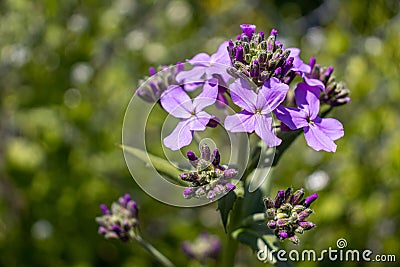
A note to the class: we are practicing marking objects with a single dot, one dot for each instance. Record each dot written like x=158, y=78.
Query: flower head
x=319, y=133
x=255, y=116
x=121, y=221
x=288, y=212
x=204, y=247
x=210, y=178
x=190, y=112
x=261, y=59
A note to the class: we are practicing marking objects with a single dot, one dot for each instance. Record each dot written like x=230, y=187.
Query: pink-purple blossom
x=255, y=116
x=320, y=133
x=190, y=112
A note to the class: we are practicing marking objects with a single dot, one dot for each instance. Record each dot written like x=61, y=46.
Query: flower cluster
x=121, y=221
x=204, y=247
x=261, y=59
x=288, y=212
x=256, y=73
x=209, y=179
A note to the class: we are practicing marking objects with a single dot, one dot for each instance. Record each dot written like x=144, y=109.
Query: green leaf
x=160, y=164
x=259, y=237
x=225, y=205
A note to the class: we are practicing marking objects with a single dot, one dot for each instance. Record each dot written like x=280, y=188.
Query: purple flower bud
x=278, y=71
x=216, y=157
x=116, y=229
x=311, y=63
x=132, y=206
x=310, y=199
x=191, y=156
x=122, y=201
x=145, y=95
x=104, y=209
x=230, y=187
x=152, y=71
x=214, y=121
x=239, y=54
x=279, y=198
x=230, y=173
x=248, y=30
x=274, y=32
x=187, y=192
x=288, y=193
x=127, y=198
x=102, y=230
x=271, y=224
x=297, y=196
x=205, y=152
x=303, y=215
x=306, y=225
x=283, y=235
x=262, y=35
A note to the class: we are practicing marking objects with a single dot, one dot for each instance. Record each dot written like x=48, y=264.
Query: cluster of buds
x=287, y=214
x=204, y=247
x=209, y=178
x=260, y=58
x=152, y=87
x=336, y=93
x=121, y=221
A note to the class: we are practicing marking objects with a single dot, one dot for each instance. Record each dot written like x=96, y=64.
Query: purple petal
x=200, y=59
x=222, y=55
x=191, y=76
x=264, y=130
x=242, y=95
x=208, y=96
x=315, y=83
x=317, y=139
x=176, y=102
x=271, y=94
x=199, y=121
x=298, y=64
x=240, y=122
x=191, y=86
x=331, y=127
x=307, y=98
x=294, y=118
x=181, y=136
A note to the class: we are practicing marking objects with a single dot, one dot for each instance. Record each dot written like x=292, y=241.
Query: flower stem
x=231, y=245
x=154, y=252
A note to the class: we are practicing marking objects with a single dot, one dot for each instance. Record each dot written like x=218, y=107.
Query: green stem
x=231, y=245
x=154, y=252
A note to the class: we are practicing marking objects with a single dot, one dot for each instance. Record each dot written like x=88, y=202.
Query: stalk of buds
x=209, y=178
x=288, y=212
x=157, y=84
x=336, y=93
x=121, y=221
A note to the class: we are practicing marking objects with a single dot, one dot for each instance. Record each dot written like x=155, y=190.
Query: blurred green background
x=69, y=68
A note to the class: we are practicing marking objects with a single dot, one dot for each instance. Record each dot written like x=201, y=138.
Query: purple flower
x=208, y=66
x=178, y=103
x=298, y=64
x=319, y=133
x=255, y=115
